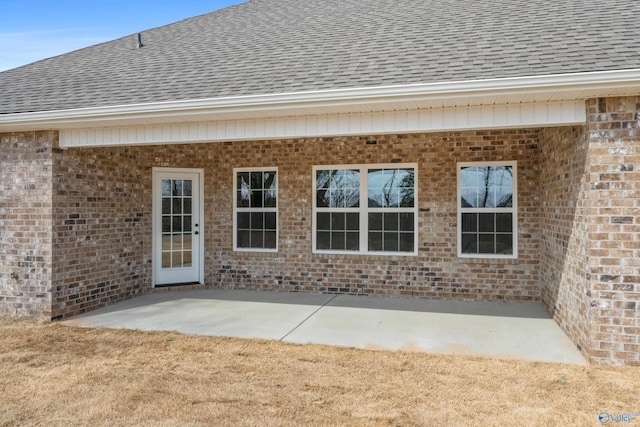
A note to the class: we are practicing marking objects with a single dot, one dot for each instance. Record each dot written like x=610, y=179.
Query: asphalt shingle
x=278, y=46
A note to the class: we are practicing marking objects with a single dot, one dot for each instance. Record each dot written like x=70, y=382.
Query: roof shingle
x=280, y=46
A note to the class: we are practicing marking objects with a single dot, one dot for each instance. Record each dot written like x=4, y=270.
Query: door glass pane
x=188, y=188
x=177, y=222
x=187, y=259
x=166, y=206
x=166, y=260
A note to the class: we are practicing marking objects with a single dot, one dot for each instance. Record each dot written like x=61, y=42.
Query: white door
x=178, y=243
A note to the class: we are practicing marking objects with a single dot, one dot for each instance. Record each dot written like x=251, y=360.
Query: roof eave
x=547, y=88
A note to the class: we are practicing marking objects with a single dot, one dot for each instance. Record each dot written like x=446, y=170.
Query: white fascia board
x=575, y=86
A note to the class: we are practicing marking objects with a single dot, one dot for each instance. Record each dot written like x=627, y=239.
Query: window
x=365, y=209
x=487, y=210
x=255, y=209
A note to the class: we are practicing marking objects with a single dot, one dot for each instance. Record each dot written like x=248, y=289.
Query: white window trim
x=236, y=209
x=513, y=209
x=364, y=209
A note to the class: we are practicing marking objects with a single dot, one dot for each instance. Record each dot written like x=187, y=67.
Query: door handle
x=196, y=232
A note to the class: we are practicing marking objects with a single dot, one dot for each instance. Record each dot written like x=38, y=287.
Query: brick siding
x=564, y=246
x=614, y=229
x=26, y=223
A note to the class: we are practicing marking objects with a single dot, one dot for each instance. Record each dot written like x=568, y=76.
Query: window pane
x=257, y=239
x=469, y=222
x=407, y=189
x=186, y=227
x=186, y=205
x=166, y=260
x=338, y=188
x=166, y=206
x=270, y=192
x=486, y=244
x=375, y=221
x=270, y=239
x=256, y=198
x=406, y=222
x=176, y=259
x=486, y=222
x=353, y=221
x=353, y=241
x=406, y=242
x=323, y=221
x=391, y=221
x=504, y=244
x=187, y=188
x=375, y=241
x=177, y=224
x=176, y=242
x=177, y=206
x=486, y=186
x=257, y=220
x=187, y=259
x=391, y=242
x=337, y=221
x=256, y=180
x=270, y=199
x=166, y=242
x=244, y=191
x=390, y=187
x=187, y=242
x=323, y=240
x=166, y=224
x=504, y=222
x=469, y=244
x=177, y=188
x=244, y=238
x=470, y=197
x=243, y=220
x=270, y=220
x=344, y=197
x=338, y=241
x=166, y=188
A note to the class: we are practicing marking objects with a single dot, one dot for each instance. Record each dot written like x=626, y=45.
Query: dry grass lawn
x=52, y=374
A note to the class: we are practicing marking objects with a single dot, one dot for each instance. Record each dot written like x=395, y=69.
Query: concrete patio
x=512, y=330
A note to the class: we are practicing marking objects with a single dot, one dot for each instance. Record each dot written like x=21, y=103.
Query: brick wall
x=103, y=219
x=435, y=272
x=564, y=237
x=26, y=223
x=614, y=229
x=101, y=228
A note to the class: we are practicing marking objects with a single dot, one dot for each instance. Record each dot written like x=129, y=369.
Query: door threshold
x=172, y=285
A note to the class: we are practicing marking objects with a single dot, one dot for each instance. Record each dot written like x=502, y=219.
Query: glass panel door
x=177, y=228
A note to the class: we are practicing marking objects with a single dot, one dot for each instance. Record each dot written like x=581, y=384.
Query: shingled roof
x=285, y=46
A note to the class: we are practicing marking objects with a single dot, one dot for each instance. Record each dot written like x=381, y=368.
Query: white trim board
x=366, y=123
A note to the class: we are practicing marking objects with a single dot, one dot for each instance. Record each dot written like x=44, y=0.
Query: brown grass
x=52, y=374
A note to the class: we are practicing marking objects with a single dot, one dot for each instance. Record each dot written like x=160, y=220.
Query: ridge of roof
x=286, y=46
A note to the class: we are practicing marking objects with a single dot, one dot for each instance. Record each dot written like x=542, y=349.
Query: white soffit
x=383, y=122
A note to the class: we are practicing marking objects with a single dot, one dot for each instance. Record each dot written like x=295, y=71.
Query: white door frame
x=157, y=174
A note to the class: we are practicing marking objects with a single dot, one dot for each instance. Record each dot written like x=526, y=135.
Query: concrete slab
x=218, y=313
x=516, y=330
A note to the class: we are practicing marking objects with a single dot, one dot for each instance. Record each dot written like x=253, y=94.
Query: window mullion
x=363, y=211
